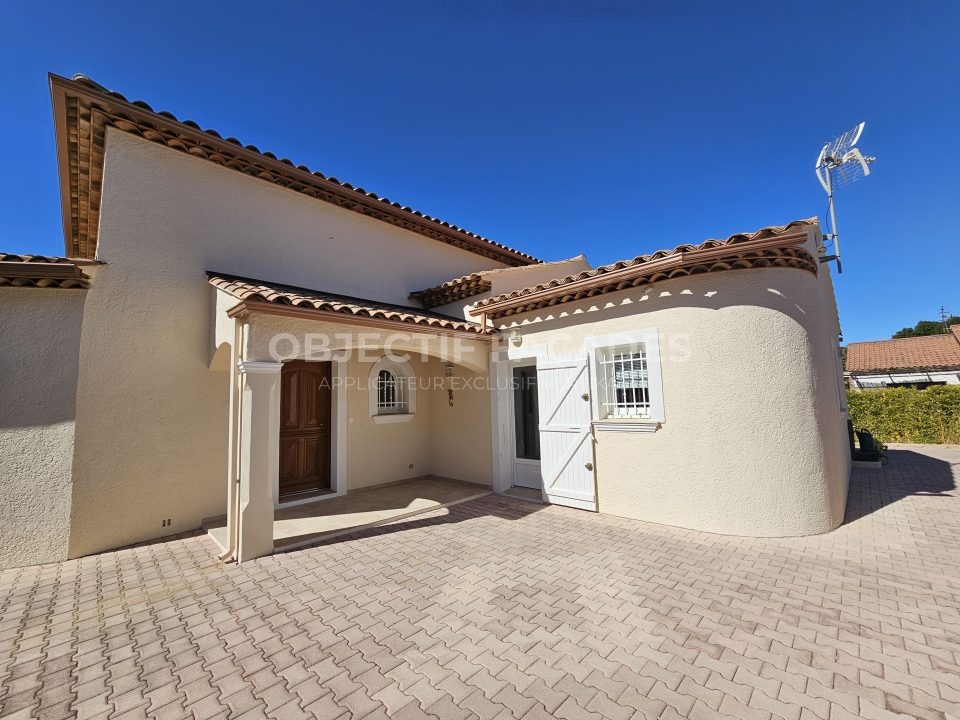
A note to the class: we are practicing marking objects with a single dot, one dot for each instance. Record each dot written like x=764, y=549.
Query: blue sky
x=608, y=128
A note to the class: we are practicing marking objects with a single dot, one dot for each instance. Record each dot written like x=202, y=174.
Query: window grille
x=391, y=393
x=626, y=384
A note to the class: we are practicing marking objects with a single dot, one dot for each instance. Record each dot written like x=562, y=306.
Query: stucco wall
x=151, y=440
x=461, y=434
x=440, y=440
x=381, y=453
x=39, y=343
x=754, y=441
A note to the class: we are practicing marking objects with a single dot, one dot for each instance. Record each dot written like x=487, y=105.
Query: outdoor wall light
x=515, y=337
x=448, y=372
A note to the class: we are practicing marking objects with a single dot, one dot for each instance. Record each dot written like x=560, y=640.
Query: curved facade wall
x=754, y=441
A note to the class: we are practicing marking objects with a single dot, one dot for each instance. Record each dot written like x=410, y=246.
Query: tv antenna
x=840, y=163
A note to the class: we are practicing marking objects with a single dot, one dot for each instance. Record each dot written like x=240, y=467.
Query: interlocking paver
x=499, y=609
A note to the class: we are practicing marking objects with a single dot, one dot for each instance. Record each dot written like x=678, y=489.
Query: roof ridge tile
x=732, y=240
x=469, y=241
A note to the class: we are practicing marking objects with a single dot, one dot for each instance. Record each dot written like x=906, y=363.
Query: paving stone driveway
x=504, y=609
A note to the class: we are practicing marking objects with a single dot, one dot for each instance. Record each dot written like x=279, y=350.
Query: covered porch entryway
x=345, y=413
x=298, y=525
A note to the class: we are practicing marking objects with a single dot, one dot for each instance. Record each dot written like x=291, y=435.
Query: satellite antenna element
x=840, y=163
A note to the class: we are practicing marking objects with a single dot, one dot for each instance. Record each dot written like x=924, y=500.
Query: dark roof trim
x=904, y=370
x=83, y=110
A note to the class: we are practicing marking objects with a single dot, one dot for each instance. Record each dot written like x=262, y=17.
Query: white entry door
x=566, y=443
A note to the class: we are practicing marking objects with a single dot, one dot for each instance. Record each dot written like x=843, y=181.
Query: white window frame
x=599, y=349
x=404, y=375
x=624, y=383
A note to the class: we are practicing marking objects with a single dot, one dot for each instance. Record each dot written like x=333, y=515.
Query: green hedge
x=906, y=415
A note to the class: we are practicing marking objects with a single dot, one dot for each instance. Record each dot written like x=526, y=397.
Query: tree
x=926, y=327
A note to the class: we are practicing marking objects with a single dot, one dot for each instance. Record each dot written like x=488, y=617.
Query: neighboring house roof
x=774, y=246
x=474, y=284
x=276, y=298
x=84, y=109
x=929, y=352
x=41, y=271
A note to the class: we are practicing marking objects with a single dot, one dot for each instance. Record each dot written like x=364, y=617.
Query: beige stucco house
x=229, y=333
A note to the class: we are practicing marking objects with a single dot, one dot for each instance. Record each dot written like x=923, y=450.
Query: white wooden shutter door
x=566, y=444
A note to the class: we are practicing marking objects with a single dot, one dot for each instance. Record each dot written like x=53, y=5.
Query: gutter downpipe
x=233, y=463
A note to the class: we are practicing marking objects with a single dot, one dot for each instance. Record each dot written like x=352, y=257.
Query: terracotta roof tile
x=930, y=352
x=740, y=251
x=453, y=290
x=476, y=283
x=254, y=292
x=41, y=271
x=83, y=109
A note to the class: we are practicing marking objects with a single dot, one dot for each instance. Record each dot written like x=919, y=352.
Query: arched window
x=392, y=391
x=391, y=398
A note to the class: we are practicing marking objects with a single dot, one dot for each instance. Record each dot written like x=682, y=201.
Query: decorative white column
x=259, y=457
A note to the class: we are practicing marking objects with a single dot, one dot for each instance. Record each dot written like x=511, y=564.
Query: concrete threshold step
x=298, y=542
x=216, y=527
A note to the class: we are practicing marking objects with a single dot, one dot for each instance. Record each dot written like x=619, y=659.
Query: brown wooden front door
x=304, y=427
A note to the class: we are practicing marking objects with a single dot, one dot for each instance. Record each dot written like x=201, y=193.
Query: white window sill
x=392, y=418
x=627, y=425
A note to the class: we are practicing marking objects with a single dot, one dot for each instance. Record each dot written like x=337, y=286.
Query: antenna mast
x=840, y=163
